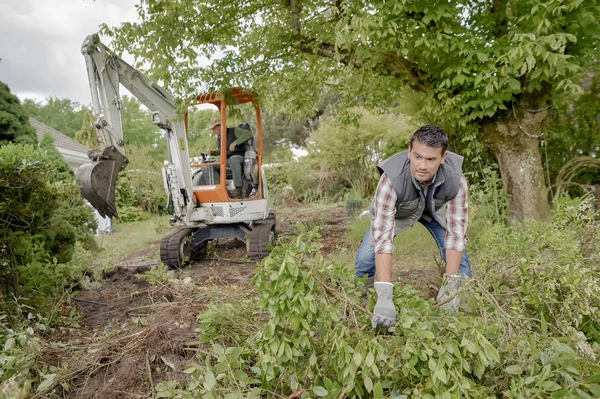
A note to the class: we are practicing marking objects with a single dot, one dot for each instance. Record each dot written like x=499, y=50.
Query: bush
x=546, y=274
x=140, y=185
x=41, y=220
x=351, y=152
x=522, y=334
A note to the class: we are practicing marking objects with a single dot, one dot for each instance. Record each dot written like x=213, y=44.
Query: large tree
x=14, y=125
x=61, y=114
x=491, y=65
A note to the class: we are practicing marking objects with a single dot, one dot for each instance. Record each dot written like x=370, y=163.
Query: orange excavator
x=199, y=199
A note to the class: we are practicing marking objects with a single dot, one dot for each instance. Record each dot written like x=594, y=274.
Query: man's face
x=217, y=130
x=425, y=160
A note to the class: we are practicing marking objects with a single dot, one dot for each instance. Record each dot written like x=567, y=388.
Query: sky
x=40, y=44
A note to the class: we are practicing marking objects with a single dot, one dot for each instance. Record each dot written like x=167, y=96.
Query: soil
x=130, y=334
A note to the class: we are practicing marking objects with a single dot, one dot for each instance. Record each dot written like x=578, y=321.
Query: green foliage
x=228, y=323
x=14, y=123
x=61, y=114
x=138, y=128
x=472, y=58
x=20, y=347
x=353, y=151
x=553, y=266
x=158, y=275
x=200, y=137
x=86, y=135
x=521, y=334
x=487, y=204
x=281, y=131
x=140, y=186
x=41, y=220
x=342, y=159
x=311, y=181
x=61, y=171
x=575, y=131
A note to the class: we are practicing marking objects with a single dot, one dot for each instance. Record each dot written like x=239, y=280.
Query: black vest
x=411, y=202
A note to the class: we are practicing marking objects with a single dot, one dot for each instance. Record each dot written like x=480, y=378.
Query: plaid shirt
x=383, y=221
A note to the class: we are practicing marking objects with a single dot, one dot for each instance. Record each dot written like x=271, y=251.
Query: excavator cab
x=210, y=183
x=203, y=209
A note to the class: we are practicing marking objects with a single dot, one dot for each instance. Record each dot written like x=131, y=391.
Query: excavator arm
x=98, y=178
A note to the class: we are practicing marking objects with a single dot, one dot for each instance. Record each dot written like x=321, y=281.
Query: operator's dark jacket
x=411, y=202
x=240, y=136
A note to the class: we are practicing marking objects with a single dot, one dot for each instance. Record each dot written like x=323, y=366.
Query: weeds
x=523, y=334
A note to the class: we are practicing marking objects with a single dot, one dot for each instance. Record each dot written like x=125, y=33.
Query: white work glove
x=384, y=314
x=449, y=289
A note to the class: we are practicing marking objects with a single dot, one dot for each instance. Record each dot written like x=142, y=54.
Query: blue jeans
x=365, y=258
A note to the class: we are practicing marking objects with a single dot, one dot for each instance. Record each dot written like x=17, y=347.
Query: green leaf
x=46, y=383
x=469, y=345
x=515, y=369
x=440, y=374
x=9, y=343
x=368, y=384
x=593, y=388
x=370, y=359
x=550, y=386
x=209, y=381
x=378, y=391
x=320, y=391
x=358, y=358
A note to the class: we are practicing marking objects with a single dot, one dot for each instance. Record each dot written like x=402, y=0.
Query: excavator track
x=177, y=249
x=262, y=235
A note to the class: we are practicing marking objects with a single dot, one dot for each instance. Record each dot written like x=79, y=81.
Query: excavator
x=201, y=205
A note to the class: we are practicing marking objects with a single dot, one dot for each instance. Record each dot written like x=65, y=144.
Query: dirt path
x=131, y=334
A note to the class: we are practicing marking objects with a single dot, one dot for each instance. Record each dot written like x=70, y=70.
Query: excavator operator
x=236, y=138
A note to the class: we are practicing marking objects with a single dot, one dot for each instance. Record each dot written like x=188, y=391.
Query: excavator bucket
x=98, y=179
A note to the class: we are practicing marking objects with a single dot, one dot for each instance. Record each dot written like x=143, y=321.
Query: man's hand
x=384, y=314
x=448, y=293
x=232, y=147
x=209, y=151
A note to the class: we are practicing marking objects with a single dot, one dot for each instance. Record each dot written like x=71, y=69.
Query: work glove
x=450, y=288
x=384, y=314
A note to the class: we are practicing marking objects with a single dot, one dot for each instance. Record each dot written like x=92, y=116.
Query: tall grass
x=129, y=238
x=414, y=248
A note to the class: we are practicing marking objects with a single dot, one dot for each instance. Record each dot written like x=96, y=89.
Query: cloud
x=41, y=44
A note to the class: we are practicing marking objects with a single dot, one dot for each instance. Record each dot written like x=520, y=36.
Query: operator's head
x=427, y=151
x=215, y=126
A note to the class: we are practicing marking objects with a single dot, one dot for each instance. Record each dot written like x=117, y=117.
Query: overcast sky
x=40, y=44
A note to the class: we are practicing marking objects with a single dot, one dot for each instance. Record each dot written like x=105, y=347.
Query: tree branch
x=402, y=68
x=295, y=16
x=392, y=64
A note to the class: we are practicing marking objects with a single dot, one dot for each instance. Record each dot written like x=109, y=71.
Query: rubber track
x=258, y=240
x=169, y=248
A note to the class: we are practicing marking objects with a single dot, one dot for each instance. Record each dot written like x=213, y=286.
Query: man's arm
x=382, y=228
x=241, y=135
x=457, y=216
x=383, y=267
x=382, y=234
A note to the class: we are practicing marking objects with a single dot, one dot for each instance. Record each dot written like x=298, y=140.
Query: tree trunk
x=518, y=154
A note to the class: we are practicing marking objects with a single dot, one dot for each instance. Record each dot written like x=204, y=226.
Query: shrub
x=41, y=220
x=521, y=335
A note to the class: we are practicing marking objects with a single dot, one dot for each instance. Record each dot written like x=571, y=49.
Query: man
x=424, y=184
x=236, y=137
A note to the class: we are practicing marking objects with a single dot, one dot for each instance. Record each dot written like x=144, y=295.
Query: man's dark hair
x=432, y=136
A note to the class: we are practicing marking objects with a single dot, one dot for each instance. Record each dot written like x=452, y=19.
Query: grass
x=129, y=238
x=414, y=248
